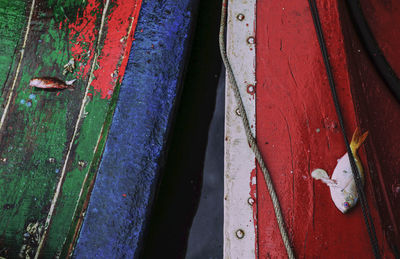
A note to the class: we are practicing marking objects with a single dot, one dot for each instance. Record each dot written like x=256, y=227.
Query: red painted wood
x=120, y=23
x=378, y=110
x=123, y=19
x=298, y=131
x=382, y=18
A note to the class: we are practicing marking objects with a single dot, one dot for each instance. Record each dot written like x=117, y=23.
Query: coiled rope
x=356, y=174
x=250, y=137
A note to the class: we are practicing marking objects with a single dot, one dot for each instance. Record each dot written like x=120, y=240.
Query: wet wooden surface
x=378, y=110
x=298, y=131
x=51, y=141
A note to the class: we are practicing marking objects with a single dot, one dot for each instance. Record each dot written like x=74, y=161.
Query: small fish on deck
x=51, y=83
x=342, y=185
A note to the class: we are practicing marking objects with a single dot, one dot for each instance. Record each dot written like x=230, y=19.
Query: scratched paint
x=371, y=91
x=240, y=174
x=114, y=225
x=252, y=201
x=40, y=124
x=25, y=188
x=82, y=36
x=112, y=58
x=293, y=101
x=12, y=20
x=119, y=14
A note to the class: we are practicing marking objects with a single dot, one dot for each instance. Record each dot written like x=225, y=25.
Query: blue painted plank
x=127, y=179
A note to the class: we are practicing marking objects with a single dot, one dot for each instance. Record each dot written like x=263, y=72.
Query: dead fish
x=50, y=83
x=342, y=185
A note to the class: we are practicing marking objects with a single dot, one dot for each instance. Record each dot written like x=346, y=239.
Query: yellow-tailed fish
x=341, y=184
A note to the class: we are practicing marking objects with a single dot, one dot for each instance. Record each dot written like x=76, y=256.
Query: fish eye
x=346, y=204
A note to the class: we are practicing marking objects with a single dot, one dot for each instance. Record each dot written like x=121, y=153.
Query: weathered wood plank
x=240, y=232
x=12, y=20
x=298, y=131
x=117, y=218
x=50, y=139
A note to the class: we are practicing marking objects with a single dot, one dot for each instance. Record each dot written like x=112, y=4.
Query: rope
x=373, y=49
x=356, y=174
x=250, y=137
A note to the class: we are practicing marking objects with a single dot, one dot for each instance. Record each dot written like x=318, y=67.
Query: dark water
x=206, y=234
x=193, y=174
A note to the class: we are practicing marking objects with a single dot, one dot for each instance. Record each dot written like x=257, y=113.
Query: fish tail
x=357, y=140
x=319, y=174
x=70, y=82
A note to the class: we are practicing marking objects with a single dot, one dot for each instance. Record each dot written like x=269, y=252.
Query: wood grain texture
x=118, y=216
x=239, y=159
x=378, y=111
x=298, y=131
x=51, y=141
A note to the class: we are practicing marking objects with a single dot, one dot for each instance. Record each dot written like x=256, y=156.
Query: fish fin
x=357, y=140
x=331, y=183
x=70, y=82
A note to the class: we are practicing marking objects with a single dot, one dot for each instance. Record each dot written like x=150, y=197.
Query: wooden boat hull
x=52, y=142
x=298, y=131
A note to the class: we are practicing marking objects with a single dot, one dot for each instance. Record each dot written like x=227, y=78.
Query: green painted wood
x=12, y=19
x=39, y=126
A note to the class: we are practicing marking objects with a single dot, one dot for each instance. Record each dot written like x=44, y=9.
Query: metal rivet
x=52, y=160
x=239, y=233
x=251, y=40
x=251, y=89
x=317, y=130
x=237, y=111
x=240, y=17
x=250, y=201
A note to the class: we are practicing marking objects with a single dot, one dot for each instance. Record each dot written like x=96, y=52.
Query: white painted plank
x=239, y=225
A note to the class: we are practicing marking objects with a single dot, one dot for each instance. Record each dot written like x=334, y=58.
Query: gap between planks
x=11, y=93
x=80, y=117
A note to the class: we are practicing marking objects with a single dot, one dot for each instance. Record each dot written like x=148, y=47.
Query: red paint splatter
x=58, y=93
x=253, y=198
x=114, y=51
x=130, y=40
x=124, y=194
x=82, y=38
x=121, y=24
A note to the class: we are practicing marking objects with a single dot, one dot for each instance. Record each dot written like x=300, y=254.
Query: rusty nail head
x=240, y=17
x=237, y=111
x=250, y=201
x=251, y=89
x=251, y=40
x=240, y=233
